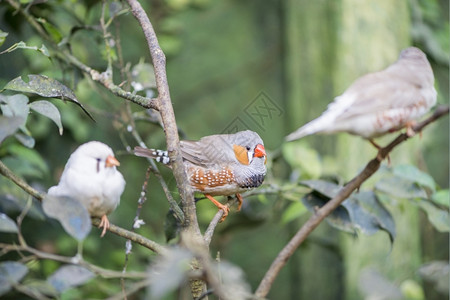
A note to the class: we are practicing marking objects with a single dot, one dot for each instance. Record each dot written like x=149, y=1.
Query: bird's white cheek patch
x=241, y=154
x=250, y=155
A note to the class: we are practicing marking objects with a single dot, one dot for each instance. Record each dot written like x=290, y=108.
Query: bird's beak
x=260, y=151
x=111, y=161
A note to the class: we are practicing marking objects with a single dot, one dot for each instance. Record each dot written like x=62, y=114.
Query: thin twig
x=177, y=212
x=134, y=237
x=5, y=171
x=373, y=165
x=209, y=232
x=65, y=55
x=137, y=238
x=136, y=224
x=76, y=260
x=168, y=118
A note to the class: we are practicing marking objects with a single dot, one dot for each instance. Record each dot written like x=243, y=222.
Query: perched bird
x=220, y=165
x=90, y=176
x=380, y=102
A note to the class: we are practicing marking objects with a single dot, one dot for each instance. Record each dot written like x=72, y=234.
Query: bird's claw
x=104, y=222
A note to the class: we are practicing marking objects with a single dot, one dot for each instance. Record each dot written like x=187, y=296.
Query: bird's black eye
x=248, y=148
x=98, y=164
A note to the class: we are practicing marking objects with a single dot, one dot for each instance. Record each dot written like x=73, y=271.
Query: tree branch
x=137, y=238
x=209, y=232
x=168, y=118
x=5, y=171
x=76, y=260
x=134, y=237
x=102, y=78
x=279, y=262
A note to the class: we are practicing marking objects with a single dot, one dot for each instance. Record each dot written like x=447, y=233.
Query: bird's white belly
x=374, y=125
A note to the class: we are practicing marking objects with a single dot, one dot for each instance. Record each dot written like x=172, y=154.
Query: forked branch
x=373, y=165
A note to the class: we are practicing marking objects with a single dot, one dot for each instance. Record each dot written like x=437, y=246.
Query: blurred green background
x=227, y=61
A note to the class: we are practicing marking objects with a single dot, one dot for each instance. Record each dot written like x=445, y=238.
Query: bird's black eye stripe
x=98, y=164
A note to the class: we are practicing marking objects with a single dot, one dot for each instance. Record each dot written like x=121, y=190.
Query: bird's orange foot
x=219, y=205
x=409, y=128
x=105, y=224
x=239, y=198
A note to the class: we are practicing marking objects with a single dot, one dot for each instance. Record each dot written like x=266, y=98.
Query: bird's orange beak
x=111, y=161
x=260, y=151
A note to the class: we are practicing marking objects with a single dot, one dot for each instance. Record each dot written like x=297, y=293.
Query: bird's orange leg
x=219, y=205
x=105, y=224
x=239, y=198
x=409, y=128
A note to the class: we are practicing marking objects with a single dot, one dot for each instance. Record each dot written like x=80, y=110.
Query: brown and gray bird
x=220, y=165
x=90, y=177
x=380, y=102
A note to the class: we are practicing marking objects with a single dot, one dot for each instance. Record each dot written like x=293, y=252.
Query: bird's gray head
x=412, y=53
x=249, y=150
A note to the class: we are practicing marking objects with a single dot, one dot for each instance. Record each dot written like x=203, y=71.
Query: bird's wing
x=194, y=152
x=376, y=93
x=208, y=150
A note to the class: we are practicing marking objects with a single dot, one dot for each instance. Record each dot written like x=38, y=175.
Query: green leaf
x=49, y=110
x=300, y=156
x=339, y=218
x=400, y=188
x=294, y=210
x=44, y=51
x=116, y=8
x=441, y=197
x=23, y=45
x=40, y=287
x=413, y=174
x=323, y=191
x=51, y=29
x=369, y=215
x=361, y=210
x=7, y=225
x=9, y=125
x=18, y=45
x=69, y=276
x=439, y=218
x=169, y=272
x=22, y=167
x=323, y=187
x=45, y=87
x=3, y=36
x=11, y=273
x=29, y=155
x=15, y=106
x=13, y=200
x=72, y=215
x=26, y=140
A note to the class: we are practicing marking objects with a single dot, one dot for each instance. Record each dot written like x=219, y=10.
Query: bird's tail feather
x=159, y=155
x=314, y=126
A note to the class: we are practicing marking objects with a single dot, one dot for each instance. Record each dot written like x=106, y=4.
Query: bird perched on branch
x=90, y=177
x=220, y=165
x=380, y=102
